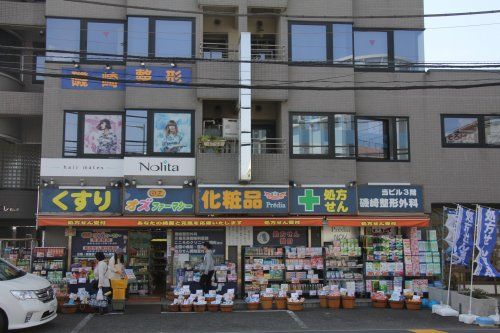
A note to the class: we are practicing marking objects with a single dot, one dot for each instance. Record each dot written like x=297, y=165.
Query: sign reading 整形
x=169, y=76
x=156, y=201
x=323, y=200
x=54, y=200
x=219, y=200
x=390, y=198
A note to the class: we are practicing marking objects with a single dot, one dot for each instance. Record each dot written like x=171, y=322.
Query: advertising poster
x=87, y=242
x=102, y=134
x=190, y=241
x=172, y=132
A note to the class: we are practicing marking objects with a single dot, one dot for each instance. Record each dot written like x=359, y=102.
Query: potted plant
x=212, y=141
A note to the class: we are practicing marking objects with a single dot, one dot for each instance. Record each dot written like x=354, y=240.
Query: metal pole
x=472, y=261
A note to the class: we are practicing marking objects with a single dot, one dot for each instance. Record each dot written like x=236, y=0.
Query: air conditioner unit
x=230, y=128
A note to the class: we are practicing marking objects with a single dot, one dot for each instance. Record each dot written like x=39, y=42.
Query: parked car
x=26, y=300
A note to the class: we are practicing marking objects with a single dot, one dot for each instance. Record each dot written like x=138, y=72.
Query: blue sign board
x=53, y=200
x=143, y=76
x=159, y=201
x=88, y=242
x=323, y=200
x=241, y=200
x=103, y=79
x=390, y=198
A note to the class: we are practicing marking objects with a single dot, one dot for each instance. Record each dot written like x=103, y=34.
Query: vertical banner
x=450, y=218
x=464, y=237
x=488, y=219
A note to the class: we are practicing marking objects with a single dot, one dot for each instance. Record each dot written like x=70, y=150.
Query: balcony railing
x=231, y=146
x=264, y=52
x=216, y=51
x=268, y=52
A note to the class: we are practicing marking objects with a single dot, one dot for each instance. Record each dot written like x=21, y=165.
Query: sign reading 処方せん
x=390, y=198
x=154, y=201
x=323, y=200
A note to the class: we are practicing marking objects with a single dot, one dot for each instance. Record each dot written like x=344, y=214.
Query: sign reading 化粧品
x=323, y=200
x=155, y=201
x=390, y=198
x=239, y=200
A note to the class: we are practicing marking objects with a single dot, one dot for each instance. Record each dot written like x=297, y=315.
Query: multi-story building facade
x=148, y=124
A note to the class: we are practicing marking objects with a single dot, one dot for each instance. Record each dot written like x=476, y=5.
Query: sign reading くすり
x=53, y=200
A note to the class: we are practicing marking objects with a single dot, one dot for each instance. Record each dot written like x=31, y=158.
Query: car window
x=9, y=272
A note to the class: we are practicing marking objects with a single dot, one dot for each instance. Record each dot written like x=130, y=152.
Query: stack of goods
x=253, y=301
x=264, y=267
x=226, y=273
x=305, y=268
x=344, y=263
x=422, y=257
x=417, y=286
x=295, y=302
x=18, y=256
x=48, y=262
x=139, y=245
x=384, y=266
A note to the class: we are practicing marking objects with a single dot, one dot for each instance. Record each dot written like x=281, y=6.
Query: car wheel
x=3, y=322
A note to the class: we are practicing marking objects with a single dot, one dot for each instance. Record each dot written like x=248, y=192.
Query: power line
x=258, y=87
x=180, y=11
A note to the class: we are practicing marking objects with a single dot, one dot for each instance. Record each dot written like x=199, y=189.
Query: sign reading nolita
x=159, y=166
x=224, y=200
x=390, y=198
x=54, y=200
x=92, y=79
x=158, y=77
x=156, y=201
x=323, y=200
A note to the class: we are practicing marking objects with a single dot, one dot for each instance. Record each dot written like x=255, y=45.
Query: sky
x=473, y=43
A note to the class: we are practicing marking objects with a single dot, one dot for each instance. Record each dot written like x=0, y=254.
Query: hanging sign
x=53, y=200
x=221, y=200
x=280, y=236
x=377, y=221
x=159, y=201
x=390, y=198
x=323, y=200
x=92, y=79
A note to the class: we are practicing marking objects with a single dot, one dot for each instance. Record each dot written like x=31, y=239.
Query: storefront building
x=141, y=151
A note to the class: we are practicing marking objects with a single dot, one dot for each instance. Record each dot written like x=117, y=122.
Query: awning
x=378, y=221
x=159, y=222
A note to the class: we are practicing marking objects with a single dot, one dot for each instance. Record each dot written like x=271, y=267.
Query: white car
x=26, y=300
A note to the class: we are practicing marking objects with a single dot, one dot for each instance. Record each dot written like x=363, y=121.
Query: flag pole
x=451, y=257
x=473, y=260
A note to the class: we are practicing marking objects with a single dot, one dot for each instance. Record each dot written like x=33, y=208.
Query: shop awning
x=378, y=221
x=159, y=222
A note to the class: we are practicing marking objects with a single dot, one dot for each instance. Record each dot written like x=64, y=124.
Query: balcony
x=27, y=12
x=14, y=103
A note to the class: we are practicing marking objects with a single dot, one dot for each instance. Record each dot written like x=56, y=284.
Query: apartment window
x=384, y=138
x=470, y=130
x=172, y=37
x=408, y=49
x=371, y=48
x=321, y=42
x=63, y=35
x=159, y=132
x=309, y=42
x=342, y=43
x=310, y=134
x=138, y=36
x=93, y=134
x=105, y=38
x=345, y=135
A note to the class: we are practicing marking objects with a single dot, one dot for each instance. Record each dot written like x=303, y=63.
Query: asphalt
x=146, y=319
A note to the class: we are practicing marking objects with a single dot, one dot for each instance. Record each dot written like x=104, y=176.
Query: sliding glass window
x=105, y=41
x=373, y=138
x=309, y=42
x=345, y=135
x=310, y=134
x=371, y=48
x=63, y=35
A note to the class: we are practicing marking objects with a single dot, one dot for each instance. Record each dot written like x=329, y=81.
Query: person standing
x=207, y=268
x=115, y=266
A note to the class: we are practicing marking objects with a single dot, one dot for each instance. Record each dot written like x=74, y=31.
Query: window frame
x=391, y=66
x=387, y=128
x=331, y=135
x=152, y=33
x=80, y=132
x=150, y=112
x=82, y=53
x=481, y=131
x=37, y=53
x=329, y=44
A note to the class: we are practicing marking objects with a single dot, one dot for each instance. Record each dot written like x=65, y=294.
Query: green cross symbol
x=309, y=200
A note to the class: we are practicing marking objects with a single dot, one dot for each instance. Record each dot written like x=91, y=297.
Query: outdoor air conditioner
x=230, y=128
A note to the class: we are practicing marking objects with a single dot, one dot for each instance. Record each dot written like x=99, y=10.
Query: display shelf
x=49, y=262
x=262, y=267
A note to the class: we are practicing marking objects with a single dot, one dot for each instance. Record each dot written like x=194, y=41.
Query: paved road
x=146, y=319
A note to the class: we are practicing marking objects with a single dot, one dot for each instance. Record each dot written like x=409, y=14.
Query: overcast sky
x=473, y=43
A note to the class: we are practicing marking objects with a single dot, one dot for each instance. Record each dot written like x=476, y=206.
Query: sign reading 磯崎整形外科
x=53, y=200
x=390, y=198
x=154, y=201
x=87, y=242
x=92, y=79
x=323, y=200
x=232, y=200
x=170, y=77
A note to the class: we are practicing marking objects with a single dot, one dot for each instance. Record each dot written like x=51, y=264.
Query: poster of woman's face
x=102, y=134
x=172, y=132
